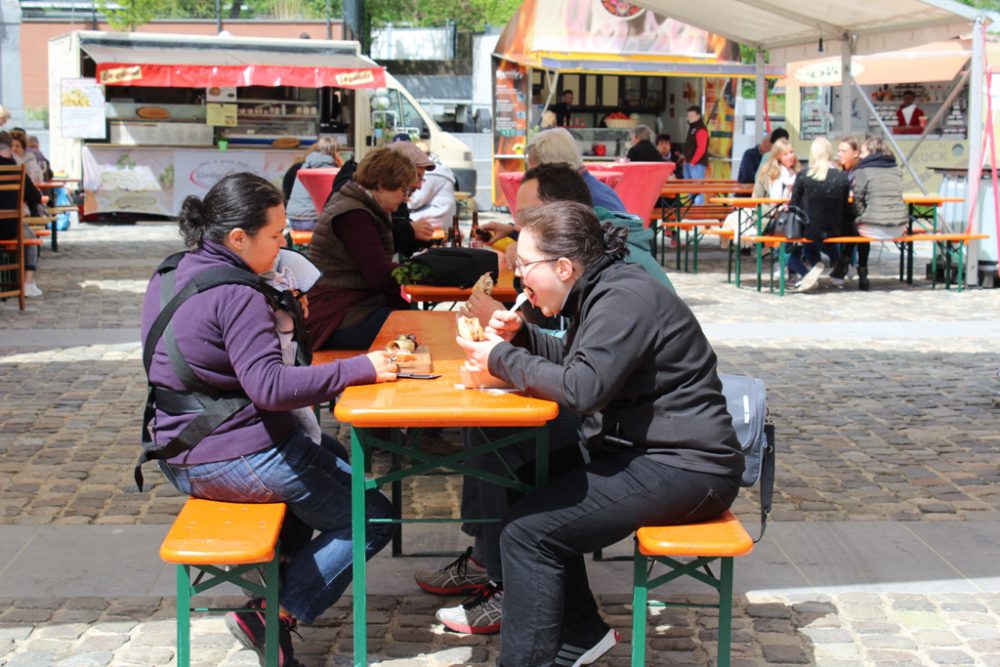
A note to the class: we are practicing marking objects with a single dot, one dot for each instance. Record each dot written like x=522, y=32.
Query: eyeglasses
x=520, y=266
x=409, y=191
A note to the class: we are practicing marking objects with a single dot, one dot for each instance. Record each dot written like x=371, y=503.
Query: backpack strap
x=766, y=479
x=217, y=407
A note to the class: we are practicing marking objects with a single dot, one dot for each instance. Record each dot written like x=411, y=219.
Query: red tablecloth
x=510, y=181
x=640, y=185
x=318, y=183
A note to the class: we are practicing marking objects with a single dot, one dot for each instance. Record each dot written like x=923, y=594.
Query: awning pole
x=945, y=108
x=760, y=123
x=976, y=80
x=553, y=86
x=888, y=135
x=845, y=86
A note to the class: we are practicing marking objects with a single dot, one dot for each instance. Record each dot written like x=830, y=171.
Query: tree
x=130, y=14
x=468, y=15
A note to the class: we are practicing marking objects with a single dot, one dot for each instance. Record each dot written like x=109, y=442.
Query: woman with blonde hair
x=301, y=211
x=777, y=174
x=821, y=192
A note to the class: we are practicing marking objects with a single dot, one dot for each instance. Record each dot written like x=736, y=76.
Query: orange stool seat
x=722, y=536
x=240, y=537
x=207, y=532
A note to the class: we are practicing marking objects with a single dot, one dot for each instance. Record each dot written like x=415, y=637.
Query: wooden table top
x=503, y=291
x=436, y=402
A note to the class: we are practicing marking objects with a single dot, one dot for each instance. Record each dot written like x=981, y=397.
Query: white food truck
x=146, y=119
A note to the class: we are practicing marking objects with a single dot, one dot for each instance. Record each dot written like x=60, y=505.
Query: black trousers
x=547, y=596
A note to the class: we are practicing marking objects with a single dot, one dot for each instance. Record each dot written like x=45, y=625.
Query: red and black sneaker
x=462, y=576
x=248, y=627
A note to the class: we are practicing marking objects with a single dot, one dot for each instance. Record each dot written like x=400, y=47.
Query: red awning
x=200, y=61
x=208, y=76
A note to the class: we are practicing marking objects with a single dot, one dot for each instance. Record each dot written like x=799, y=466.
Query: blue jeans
x=316, y=485
x=800, y=260
x=696, y=171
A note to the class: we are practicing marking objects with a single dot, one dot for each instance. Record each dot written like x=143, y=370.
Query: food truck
x=148, y=119
x=625, y=65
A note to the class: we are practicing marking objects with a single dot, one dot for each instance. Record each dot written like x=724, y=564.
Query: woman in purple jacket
x=227, y=336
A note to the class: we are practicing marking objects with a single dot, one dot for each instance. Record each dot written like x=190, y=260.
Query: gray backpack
x=746, y=401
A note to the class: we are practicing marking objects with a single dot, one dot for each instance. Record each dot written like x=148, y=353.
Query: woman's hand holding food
x=504, y=324
x=481, y=306
x=385, y=368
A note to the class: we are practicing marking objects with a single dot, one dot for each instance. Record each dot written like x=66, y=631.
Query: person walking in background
x=879, y=210
x=642, y=149
x=302, y=214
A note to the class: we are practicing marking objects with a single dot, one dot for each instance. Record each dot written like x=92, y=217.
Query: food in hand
x=484, y=284
x=469, y=328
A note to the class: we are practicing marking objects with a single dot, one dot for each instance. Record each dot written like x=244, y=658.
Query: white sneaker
x=811, y=279
x=31, y=290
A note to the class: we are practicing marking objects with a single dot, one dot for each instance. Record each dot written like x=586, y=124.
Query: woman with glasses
x=637, y=368
x=353, y=247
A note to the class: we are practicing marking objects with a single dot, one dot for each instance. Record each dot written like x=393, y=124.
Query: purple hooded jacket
x=227, y=334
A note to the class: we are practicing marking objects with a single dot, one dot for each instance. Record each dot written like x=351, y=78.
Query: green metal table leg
x=271, y=612
x=760, y=260
x=725, y=612
x=677, y=245
x=358, y=552
x=639, y=599
x=961, y=265
x=697, y=242
x=183, y=616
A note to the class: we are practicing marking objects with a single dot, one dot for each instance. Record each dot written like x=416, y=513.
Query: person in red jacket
x=696, y=147
x=909, y=115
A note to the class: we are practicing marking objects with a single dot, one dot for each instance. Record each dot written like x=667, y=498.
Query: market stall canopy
x=589, y=36
x=792, y=29
x=195, y=61
x=937, y=61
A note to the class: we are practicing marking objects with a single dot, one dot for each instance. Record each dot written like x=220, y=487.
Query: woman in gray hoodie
x=879, y=209
x=301, y=212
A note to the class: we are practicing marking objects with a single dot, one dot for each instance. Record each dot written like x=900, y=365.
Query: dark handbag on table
x=457, y=267
x=789, y=222
x=746, y=401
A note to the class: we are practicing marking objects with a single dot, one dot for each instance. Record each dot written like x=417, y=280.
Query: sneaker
x=248, y=627
x=570, y=655
x=31, y=290
x=811, y=279
x=463, y=576
x=479, y=615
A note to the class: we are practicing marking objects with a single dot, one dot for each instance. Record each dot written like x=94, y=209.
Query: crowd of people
x=856, y=190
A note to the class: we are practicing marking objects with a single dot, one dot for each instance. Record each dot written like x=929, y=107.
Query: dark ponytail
x=571, y=230
x=238, y=200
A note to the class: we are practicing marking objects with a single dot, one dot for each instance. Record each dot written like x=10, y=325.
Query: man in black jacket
x=643, y=149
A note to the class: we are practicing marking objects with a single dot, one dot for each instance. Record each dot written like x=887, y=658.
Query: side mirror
x=425, y=132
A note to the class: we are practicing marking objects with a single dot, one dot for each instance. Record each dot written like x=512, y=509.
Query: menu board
x=511, y=108
x=82, y=109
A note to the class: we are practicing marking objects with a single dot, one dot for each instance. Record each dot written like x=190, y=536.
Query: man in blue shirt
x=752, y=157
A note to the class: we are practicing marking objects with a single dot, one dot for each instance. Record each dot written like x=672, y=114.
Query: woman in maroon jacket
x=352, y=245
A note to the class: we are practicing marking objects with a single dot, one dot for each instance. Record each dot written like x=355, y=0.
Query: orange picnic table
x=415, y=404
x=428, y=295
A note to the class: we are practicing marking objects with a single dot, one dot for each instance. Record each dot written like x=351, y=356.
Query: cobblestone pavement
x=899, y=424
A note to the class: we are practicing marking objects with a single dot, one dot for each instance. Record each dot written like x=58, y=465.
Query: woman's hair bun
x=192, y=221
x=615, y=240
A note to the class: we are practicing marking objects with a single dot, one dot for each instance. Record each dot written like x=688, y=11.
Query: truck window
x=410, y=118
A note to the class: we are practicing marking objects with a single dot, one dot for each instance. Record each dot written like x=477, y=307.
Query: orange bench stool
x=722, y=539
x=241, y=537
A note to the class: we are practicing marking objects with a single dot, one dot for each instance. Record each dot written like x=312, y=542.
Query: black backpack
x=213, y=406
